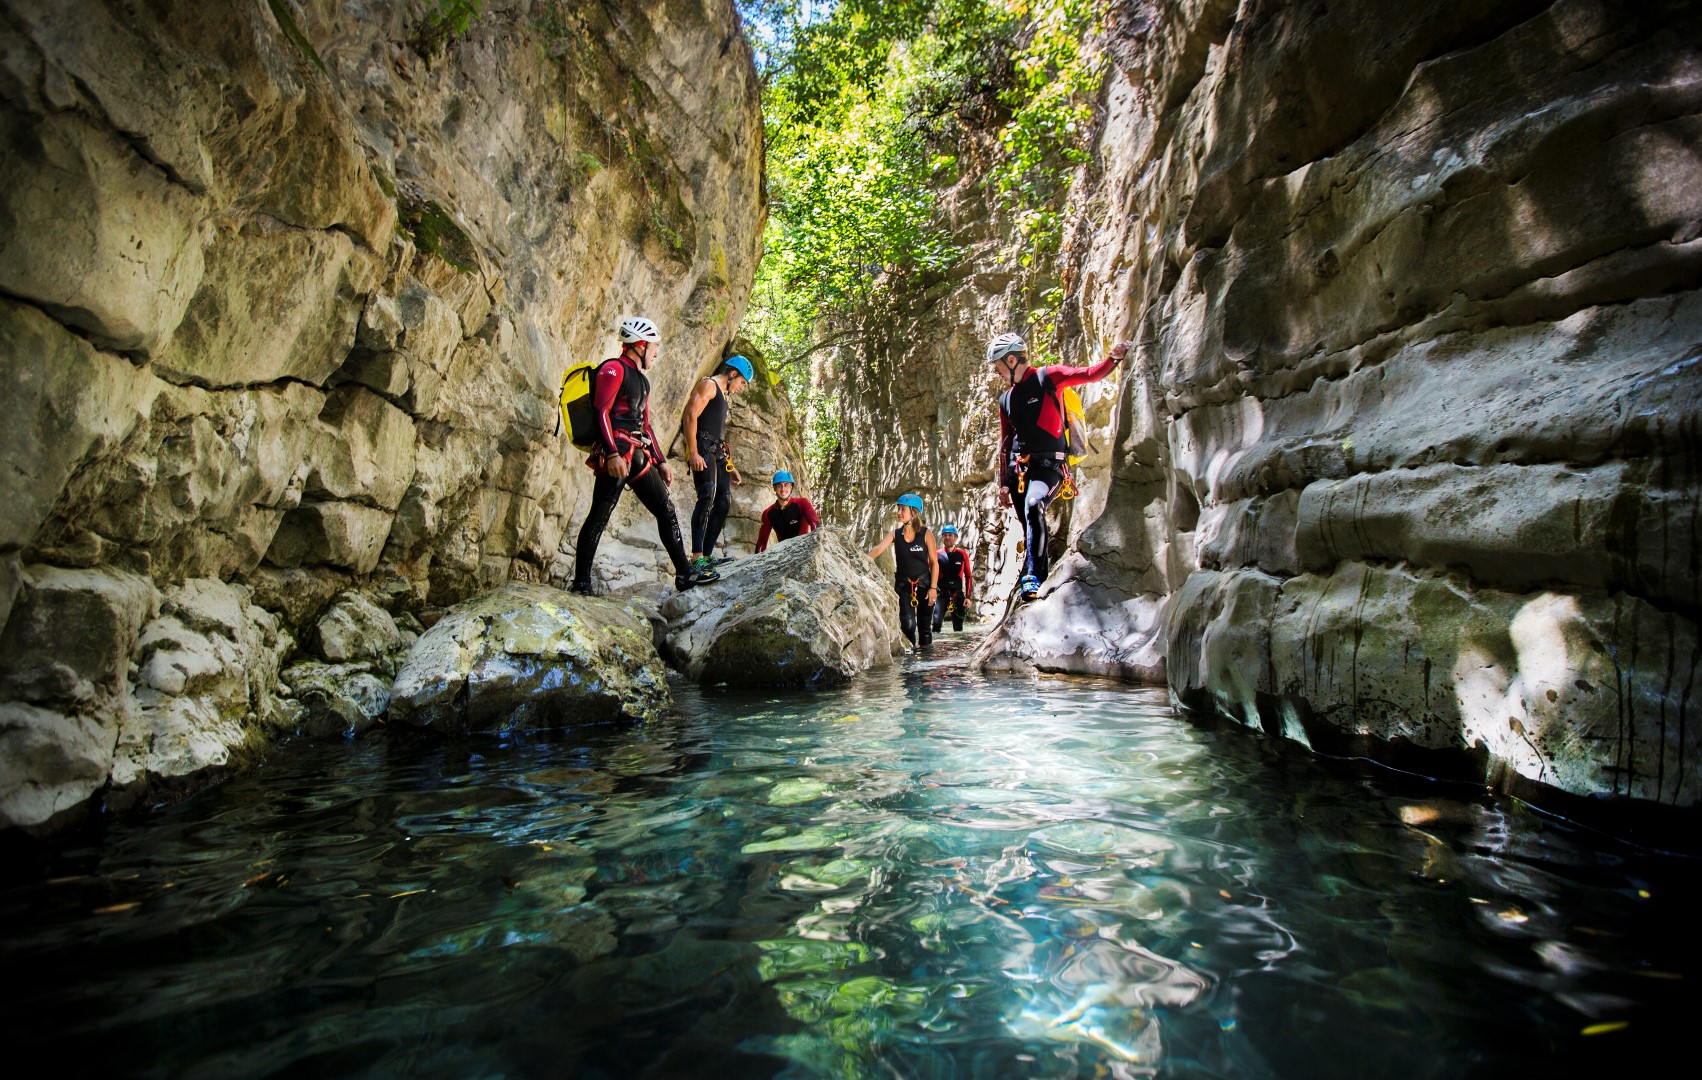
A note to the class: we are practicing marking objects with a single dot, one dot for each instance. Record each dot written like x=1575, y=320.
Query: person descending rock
x=913, y=548
x=957, y=580
x=626, y=456
x=1033, y=450
x=786, y=517
x=704, y=424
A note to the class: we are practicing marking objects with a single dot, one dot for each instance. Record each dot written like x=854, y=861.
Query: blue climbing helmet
x=783, y=477
x=948, y=529
x=912, y=501
x=740, y=365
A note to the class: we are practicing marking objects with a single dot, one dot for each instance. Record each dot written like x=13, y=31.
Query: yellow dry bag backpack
x=576, y=406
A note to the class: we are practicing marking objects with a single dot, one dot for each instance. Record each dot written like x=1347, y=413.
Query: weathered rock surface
x=1411, y=450
x=810, y=611
x=531, y=656
x=287, y=305
x=1414, y=297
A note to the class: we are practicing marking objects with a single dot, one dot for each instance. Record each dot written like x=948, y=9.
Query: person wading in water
x=957, y=580
x=1033, y=451
x=786, y=517
x=918, y=577
x=626, y=456
x=704, y=424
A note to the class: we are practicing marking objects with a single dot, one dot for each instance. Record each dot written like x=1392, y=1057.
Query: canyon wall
x=1406, y=453
x=1411, y=457
x=287, y=288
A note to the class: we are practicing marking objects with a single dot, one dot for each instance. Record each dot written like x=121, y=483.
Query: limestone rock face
x=808, y=611
x=1409, y=450
x=65, y=690
x=531, y=656
x=287, y=305
x=206, y=692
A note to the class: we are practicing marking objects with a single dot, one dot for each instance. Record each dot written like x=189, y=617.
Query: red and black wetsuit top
x=955, y=572
x=620, y=398
x=1031, y=415
x=796, y=518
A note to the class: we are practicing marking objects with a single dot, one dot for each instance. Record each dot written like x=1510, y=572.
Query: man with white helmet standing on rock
x=626, y=456
x=1033, y=453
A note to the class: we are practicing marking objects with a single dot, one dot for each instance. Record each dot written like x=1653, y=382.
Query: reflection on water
x=929, y=874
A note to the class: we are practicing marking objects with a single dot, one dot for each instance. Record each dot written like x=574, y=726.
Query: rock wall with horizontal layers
x=285, y=297
x=1410, y=455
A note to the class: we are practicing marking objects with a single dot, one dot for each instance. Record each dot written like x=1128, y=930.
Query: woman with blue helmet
x=704, y=425
x=914, y=550
x=788, y=516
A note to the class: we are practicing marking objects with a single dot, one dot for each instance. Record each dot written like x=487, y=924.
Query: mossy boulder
x=531, y=656
x=809, y=611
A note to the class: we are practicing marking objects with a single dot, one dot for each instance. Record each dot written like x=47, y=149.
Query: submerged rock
x=813, y=610
x=531, y=656
x=338, y=699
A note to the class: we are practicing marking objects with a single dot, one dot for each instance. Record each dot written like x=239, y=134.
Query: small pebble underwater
x=930, y=873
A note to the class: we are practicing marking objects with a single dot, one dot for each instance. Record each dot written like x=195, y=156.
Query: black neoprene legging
x=652, y=492
x=914, y=612
x=714, y=496
x=1031, y=504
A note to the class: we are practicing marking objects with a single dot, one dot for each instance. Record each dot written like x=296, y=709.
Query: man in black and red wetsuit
x=787, y=517
x=957, y=580
x=626, y=456
x=1033, y=453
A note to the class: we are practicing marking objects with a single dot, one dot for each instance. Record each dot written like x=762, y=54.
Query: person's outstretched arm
x=762, y=533
x=810, y=521
x=875, y=552
x=1060, y=376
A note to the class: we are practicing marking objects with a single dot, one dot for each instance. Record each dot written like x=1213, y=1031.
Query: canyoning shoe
x=1029, y=587
x=700, y=563
x=682, y=582
x=720, y=560
x=583, y=588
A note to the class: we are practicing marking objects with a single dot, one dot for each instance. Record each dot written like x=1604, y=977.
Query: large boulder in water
x=813, y=610
x=531, y=656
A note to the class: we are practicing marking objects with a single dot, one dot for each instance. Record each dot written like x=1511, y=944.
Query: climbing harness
x=1067, y=486
x=1020, y=464
x=596, y=460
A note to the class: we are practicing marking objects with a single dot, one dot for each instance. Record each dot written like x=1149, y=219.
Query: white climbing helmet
x=638, y=328
x=1003, y=345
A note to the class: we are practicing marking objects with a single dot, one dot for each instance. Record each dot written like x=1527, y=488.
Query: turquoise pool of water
x=931, y=873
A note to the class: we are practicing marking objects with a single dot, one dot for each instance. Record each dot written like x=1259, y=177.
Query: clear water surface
x=931, y=873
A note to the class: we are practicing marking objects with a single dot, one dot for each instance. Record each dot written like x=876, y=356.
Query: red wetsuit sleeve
x=1060, y=376
x=605, y=388
x=968, y=575
x=811, y=521
x=762, y=533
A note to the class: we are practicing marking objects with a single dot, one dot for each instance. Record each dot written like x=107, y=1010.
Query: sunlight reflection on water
x=929, y=873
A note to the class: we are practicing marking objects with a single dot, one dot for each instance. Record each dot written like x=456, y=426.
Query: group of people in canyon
x=934, y=577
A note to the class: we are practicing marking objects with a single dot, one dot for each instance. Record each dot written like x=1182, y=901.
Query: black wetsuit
x=1034, y=451
x=621, y=398
x=714, y=483
x=954, y=571
x=912, y=582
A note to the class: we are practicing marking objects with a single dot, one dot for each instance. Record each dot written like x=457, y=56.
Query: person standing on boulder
x=913, y=549
x=957, y=580
x=786, y=517
x=1033, y=452
x=704, y=424
x=626, y=456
